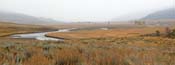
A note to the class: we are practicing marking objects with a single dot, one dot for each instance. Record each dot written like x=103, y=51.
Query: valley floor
x=91, y=47
x=7, y=29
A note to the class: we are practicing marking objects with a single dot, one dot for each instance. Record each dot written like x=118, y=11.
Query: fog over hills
x=164, y=14
x=27, y=19
x=24, y=19
x=85, y=10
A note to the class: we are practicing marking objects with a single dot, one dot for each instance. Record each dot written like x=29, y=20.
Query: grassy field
x=116, y=46
x=126, y=32
x=12, y=28
x=89, y=51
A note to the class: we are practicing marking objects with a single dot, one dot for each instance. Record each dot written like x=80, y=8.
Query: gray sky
x=84, y=10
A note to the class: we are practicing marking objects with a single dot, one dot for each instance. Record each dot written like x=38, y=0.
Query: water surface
x=41, y=35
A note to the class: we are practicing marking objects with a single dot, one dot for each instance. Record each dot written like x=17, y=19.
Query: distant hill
x=164, y=14
x=24, y=19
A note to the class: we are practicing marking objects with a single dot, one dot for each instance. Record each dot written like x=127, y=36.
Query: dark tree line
x=170, y=33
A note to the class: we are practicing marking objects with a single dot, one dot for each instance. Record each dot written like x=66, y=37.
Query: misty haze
x=87, y=32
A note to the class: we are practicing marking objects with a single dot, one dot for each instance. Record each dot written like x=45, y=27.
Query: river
x=41, y=35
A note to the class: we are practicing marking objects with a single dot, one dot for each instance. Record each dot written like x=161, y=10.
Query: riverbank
x=100, y=33
x=42, y=35
x=8, y=29
x=89, y=51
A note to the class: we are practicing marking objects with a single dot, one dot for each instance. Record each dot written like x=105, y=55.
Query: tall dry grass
x=94, y=51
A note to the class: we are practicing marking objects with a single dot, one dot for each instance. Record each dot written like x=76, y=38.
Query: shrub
x=168, y=31
x=157, y=33
x=69, y=61
x=172, y=34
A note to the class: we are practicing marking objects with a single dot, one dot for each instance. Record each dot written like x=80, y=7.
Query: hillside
x=164, y=14
x=24, y=19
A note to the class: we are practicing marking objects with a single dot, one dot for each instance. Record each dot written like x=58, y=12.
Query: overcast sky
x=84, y=10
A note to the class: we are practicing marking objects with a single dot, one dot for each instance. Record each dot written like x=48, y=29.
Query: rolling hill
x=24, y=19
x=163, y=14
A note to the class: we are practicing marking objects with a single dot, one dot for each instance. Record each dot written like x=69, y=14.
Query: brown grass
x=97, y=47
x=12, y=28
x=94, y=51
x=105, y=33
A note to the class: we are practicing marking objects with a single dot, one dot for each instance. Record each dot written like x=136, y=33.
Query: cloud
x=83, y=10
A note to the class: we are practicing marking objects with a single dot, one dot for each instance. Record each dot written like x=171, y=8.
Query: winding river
x=40, y=36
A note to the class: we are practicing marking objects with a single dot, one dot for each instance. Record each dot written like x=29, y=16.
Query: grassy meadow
x=7, y=29
x=116, y=46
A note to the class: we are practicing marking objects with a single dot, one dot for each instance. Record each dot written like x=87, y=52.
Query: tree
x=139, y=22
x=157, y=33
x=168, y=32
